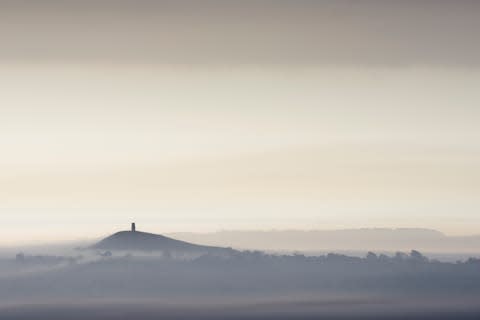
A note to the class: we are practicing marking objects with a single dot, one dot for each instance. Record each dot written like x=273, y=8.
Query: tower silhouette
x=133, y=226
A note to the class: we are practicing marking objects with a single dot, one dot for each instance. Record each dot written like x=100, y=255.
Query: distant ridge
x=373, y=239
x=143, y=241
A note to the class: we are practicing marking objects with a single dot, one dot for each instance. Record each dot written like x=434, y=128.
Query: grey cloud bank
x=358, y=32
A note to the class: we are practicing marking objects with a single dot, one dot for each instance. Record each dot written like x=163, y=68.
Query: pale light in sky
x=90, y=144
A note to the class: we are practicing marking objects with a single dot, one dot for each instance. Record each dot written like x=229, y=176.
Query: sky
x=208, y=115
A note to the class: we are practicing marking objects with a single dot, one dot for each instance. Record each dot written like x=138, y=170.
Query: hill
x=143, y=241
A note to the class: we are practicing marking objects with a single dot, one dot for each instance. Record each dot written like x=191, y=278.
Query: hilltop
x=144, y=241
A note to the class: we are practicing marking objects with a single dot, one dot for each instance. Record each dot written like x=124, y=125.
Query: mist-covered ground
x=308, y=309
x=97, y=284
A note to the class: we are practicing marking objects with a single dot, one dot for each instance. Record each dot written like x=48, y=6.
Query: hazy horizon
x=28, y=240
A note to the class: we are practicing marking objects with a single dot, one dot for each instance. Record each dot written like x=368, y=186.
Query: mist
x=230, y=283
